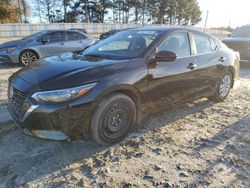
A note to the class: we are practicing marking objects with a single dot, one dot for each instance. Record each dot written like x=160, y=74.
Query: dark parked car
x=101, y=92
x=43, y=44
x=239, y=41
x=79, y=29
x=111, y=32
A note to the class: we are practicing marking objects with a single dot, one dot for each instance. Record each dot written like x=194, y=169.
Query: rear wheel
x=223, y=87
x=27, y=57
x=113, y=119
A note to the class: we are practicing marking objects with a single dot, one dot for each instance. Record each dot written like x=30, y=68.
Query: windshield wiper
x=96, y=56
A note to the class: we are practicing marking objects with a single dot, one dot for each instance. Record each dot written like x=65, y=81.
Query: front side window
x=202, y=43
x=74, y=36
x=123, y=45
x=54, y=37
x=177, y=43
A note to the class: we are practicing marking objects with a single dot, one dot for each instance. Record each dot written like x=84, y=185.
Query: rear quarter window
x=54, y=37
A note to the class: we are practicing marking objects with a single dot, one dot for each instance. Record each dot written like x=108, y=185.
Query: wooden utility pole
x=206, y=20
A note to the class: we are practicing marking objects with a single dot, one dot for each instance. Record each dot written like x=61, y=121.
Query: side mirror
x=165, y=56
x=44, y=41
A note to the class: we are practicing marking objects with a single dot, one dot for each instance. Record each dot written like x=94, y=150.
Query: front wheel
x=223, y=88
x=113, y=119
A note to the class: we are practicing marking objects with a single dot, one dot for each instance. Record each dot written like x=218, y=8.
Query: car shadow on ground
x=234, y=141
x=9, y=65
x=22, y=154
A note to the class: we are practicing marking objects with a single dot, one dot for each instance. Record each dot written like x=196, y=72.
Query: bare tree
x=23, y=9
x=48, y=7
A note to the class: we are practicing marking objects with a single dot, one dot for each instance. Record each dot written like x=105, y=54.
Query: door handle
x=222, y=59
x=192, y=66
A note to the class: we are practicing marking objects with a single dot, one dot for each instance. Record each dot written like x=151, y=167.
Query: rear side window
x=214, y=44
x=177, y=43
x=54, y=37
x=74, y=36
x=202, y=43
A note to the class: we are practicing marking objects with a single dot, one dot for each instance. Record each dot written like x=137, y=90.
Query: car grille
x=17, y=103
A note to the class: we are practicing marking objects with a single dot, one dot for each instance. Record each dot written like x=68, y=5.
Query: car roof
x=54, y=30
x=168, y=29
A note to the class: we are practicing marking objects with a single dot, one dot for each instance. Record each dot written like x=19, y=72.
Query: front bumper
x=56, y=122
x=12, y=57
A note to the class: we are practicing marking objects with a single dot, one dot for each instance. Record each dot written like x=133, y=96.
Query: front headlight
x=62, y=94
x=9, y=49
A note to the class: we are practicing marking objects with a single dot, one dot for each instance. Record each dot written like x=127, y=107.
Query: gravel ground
x=198, y=144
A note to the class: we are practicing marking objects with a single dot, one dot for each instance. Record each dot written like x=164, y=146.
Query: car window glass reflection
x=126, y=44
x=54, y=37
x=74, y=36
x=116, y=45
x=177, y=43
x=202, y=43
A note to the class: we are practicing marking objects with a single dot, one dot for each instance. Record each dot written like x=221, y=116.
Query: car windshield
x=242, y=32
x=33, y=36
x=123, y=45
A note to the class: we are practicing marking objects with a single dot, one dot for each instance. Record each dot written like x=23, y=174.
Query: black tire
x=113, y=119
x=219, y=95
x=27, y=57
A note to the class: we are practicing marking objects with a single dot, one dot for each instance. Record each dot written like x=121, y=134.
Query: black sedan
x=101, y=92
x=239, y=41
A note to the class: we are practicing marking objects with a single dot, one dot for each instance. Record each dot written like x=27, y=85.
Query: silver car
x=43, y=44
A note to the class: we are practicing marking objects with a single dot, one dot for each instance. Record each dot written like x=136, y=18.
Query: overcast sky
x=225, y=12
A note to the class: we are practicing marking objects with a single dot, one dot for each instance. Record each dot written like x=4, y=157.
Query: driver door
x=174, y=80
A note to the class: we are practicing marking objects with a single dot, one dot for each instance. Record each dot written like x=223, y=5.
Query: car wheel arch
x=32, y=50
x=128, y=90
x=232, y=71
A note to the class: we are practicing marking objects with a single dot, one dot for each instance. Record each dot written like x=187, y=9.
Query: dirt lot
x=199, y=144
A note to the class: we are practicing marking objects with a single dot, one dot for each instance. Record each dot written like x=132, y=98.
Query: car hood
x=68, y=70
x=13, y=43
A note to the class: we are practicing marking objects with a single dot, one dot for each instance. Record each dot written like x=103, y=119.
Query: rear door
x=209, y=60
x=75, y=41
x=179, y=79
x=52, y=44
